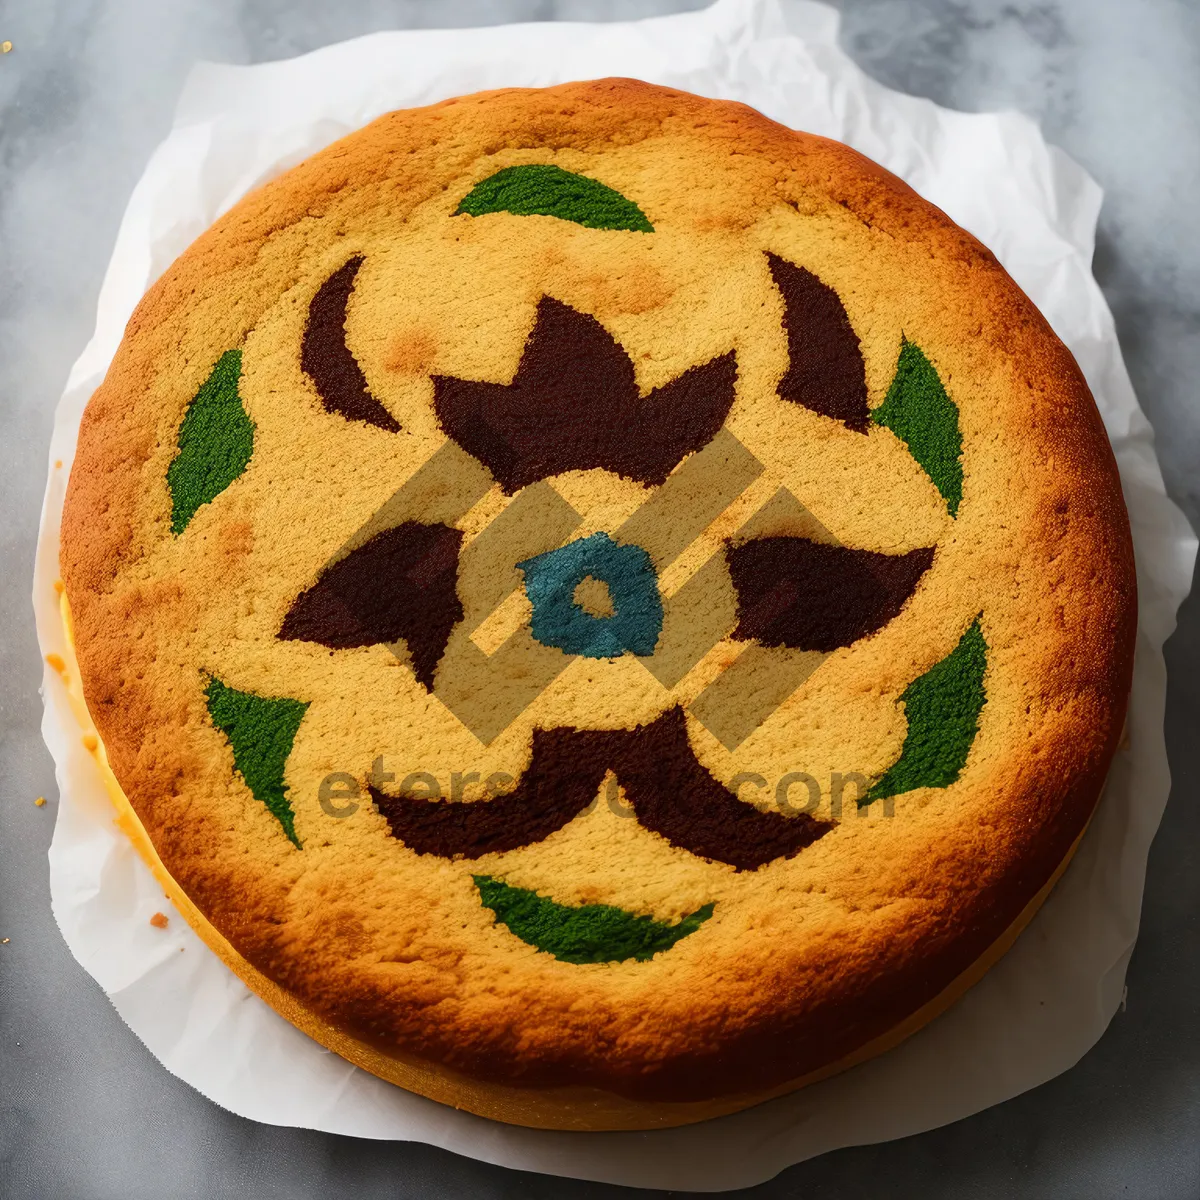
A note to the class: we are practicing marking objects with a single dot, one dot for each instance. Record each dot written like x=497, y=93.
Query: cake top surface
x=587, y=585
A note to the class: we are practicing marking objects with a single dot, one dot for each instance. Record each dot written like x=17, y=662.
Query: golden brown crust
x=577, y=1108
x=883, y=927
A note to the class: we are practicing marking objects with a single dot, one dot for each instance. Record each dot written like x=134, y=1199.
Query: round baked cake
x=600, y=608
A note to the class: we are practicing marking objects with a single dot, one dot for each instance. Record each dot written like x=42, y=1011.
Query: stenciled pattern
x=808, y=595
x=825, y=372
x=326, y=359
x=216, y=441
x=670, y=791
x=551, y=580
x=541, y=189
x=401, y=586
x=573, y=404
x=588, y=933
x=260, y=731
x=942, y=708
x=920, y=413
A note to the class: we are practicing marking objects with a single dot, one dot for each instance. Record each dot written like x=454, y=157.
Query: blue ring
x=550, y=583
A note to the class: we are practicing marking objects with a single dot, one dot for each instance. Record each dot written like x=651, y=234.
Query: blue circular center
x=550, y=583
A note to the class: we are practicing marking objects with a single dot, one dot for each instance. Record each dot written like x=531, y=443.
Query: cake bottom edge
x=578, y=1108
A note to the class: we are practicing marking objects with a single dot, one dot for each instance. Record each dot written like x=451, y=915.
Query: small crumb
x=5, y=941
x=5, y=47
x=56, y=661
x=90, y=741
x=40, y=802
x=159, y=920
x=59, y=586
x=57, y=463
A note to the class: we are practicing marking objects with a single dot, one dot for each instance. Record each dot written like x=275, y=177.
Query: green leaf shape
x=920, y=413
x=543, y=190
x=261, y=731
x=216, y=440
x=589, y=933
x=942, y=707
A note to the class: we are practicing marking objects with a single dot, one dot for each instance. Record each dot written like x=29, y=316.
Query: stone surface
x=87, y=91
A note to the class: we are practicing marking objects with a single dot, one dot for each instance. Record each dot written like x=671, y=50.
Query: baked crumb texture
x=590, y=589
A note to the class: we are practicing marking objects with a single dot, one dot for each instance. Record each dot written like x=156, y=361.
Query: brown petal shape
x=326, y=359
x=563, y=777
x=825, y=371
x=671, y=792
x=574, y=405
x=812, y=596
x=399, y=586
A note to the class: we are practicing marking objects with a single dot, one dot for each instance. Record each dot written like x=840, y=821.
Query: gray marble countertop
x=85, y=1112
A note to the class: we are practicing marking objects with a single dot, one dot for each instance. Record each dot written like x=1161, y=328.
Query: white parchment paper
x=1044, y=1005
